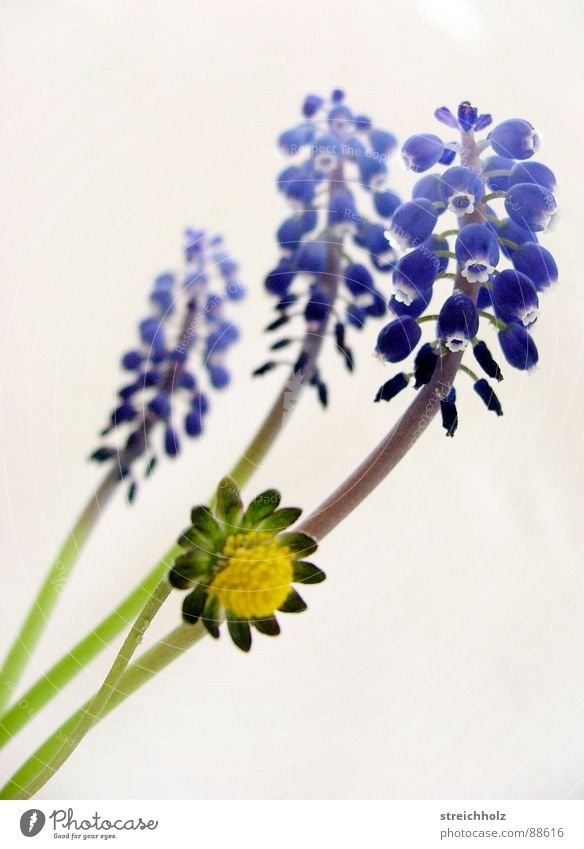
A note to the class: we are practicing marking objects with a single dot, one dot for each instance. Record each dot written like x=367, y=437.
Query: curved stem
x=53, y=584
x=37, y=696
x=138, y=674
x=65, y=740
x=72, y=663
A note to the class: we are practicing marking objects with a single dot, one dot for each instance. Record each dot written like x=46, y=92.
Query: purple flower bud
x=530, y=205
x=458, y=322
x=518, y=347
x=533, y=172
x=413, y=222
x=497, y=170
x=422, y=151
x=414, y=276
x=515, y=297
x=461, y=189
x=537, y=263
x=477, y=252
x=398, y=339
x=515, y=139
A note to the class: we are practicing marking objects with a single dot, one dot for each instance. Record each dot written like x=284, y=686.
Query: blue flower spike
x=187, y=321
x=493, y=201
x=336, y=244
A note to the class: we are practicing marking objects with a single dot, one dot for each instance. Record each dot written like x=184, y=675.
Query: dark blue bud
x=448, y=154
x=342, y=210
x=337, y=95
x=386, y=203
x=483, y=121
x=376, y=308
x=458, y=322
x=398, y=339
x=373, y=173
x=124, y=413
x=163, y=300
x=201, y=403
x=392, y=387
x=449, y=413
x=413, y=222
x=290, y=141
x=477, y=252
x=235, y=291
x=428, y=187
x=424, y=365
x=311, y=105
x=415, y=308
x=160, y=405
x=382, y=142
x=219, y=376
x=497, y=170
x=467, y=116
x=164, y=282
x=101, y=455
x=537, y=263
x=340, y=119
x=432, y=246
x=375, y=239
x=312, y=257
x=514, y=138
x=152, y=333
x=290, y=233
x=278, y=280
x=518, y=347
x=287, y=176
x=171, y=443
x=414, y=275
x=317, y=307
x=187, y=381
x=515, y=297
x=152, y=377
x=485, y=359
x=512, y=232
x=362, y=123
x=356, y=316
x=530, y=205
x=486, y=394
x=533, y=172
x=422, y=151
x=193, y=423
x=484, y=299
x=461, y=189
x=309, y=219
x=126, y=392
x=132, y=360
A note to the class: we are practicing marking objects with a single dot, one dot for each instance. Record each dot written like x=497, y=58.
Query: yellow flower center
x=257, y=577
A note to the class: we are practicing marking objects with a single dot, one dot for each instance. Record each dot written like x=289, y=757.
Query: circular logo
x=32, y=822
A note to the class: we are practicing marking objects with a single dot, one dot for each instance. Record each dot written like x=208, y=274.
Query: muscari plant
x=464, y=259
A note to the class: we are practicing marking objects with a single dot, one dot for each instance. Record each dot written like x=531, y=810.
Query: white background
x=444, y=657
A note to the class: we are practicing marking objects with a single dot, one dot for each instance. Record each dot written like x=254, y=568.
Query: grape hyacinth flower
x=498, y=204
x=340, y=201
x=187, y=319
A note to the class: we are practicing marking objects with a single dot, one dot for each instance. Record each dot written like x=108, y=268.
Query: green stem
x=61, y=745
x=48, y=595
x=35, y=698
x=138, y=674
x=496, y=322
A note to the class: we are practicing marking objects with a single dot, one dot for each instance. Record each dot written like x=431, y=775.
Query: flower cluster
x=340, y=155
x=239, y=564
x=501, y=203
x=186, y=316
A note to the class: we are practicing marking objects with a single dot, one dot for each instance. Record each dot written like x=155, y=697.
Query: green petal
x=280, y=520
x=293, y=604
x=299, y=543
x=307, y=573
x=203, y=520
x=263, y=505
x=193, y=605
x=269, y=626
x=192, y=538
x=240, y=632
x=229, y=505
x=211, y=616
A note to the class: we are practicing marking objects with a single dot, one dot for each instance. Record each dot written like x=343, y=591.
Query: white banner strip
x=296, y=824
